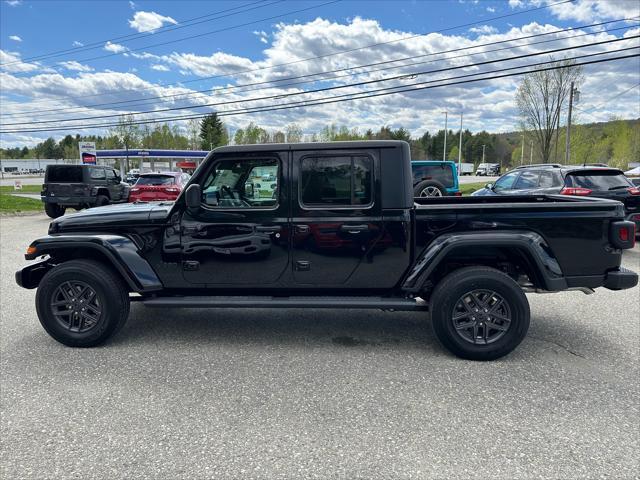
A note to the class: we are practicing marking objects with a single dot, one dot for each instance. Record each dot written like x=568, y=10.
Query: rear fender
x=531, y=244
x=120, y=252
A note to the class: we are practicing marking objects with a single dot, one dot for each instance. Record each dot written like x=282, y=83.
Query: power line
x=361, y=95
x=199, y=35
x=485, y=21
x=225, y=90
x=145, y=33
x=306, y=92
x=608, y=100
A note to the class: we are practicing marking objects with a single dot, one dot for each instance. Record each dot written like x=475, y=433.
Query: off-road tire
x=53, y=210
x=455, y=286
x=429, y=185
x=102, y=200
x=110, y=290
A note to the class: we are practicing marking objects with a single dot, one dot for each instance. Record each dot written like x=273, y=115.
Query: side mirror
x=193, y=197
x=118, y=178
x=489, y=186
x=249, y=190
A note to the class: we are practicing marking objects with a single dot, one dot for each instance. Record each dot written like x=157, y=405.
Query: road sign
x=88, y=152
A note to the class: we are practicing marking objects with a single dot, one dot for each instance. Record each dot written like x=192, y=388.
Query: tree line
x=616, y=142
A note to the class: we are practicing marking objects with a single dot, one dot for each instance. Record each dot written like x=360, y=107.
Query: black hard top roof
x=262, y=147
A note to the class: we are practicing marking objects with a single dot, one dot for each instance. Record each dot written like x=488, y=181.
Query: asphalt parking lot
x=320, y=394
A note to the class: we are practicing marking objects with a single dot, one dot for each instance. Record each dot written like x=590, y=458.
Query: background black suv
x=587, y=180
x=81, y=186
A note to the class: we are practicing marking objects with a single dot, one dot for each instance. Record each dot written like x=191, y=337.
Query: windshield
x=156, y=180
x=64, y=174
x=603, y=180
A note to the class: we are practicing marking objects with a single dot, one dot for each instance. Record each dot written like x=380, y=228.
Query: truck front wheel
x=479, y=313
x=81, y=303
x=53, y=210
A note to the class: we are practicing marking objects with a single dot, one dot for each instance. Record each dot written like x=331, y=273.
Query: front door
x=239, y=236
x=336, y=223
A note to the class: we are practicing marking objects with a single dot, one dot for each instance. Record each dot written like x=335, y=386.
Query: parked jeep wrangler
x=339, y=229
x=81, y=186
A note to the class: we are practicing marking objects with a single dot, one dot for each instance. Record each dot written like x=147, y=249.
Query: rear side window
x=156, y=180
x=338, y=181
x=527, y=180
x=603, y=180
x=64, y=174
x=439, y=173
x=546, y=180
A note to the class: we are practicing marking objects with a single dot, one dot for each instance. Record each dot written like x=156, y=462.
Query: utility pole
x=460, y=147
x=444, y=155
x=522, y=154
x=567, y=151
x=483, y=153
x=531, y=154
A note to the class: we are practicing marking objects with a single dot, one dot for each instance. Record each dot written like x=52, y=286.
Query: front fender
x=121, y=252
x=547, y=267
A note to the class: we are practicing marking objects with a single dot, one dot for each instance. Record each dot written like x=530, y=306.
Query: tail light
x=623, y=234
x=134, y=190
x=172, y=190
x=634, y=190
x=457, y=194
x=582, y=192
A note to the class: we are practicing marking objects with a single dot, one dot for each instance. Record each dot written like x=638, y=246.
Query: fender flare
x=122, y=253
x=541, y=256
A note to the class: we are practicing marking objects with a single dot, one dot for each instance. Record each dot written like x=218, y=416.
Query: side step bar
x=285, y=302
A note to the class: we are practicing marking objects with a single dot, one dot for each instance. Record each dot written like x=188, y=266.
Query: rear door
x=526, y=183
x=336, y=220
x=239, y=235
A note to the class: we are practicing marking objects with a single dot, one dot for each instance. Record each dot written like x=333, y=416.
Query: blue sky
x=69, y=85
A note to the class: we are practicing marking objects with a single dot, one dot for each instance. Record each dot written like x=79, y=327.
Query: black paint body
x=391, y=247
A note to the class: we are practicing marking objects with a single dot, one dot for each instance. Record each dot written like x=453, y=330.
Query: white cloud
x=585, y=11
x=516, y=3
x=487, y=105
x=132, y=5
x=145, y=21
x=262, y=35
x=491, y=10
x=75, y=66
x=77, y=44
x=484, y=30
x=11, y=62
x=115, y=47
x=15, y=38
x=160, y=68
x=13, y=3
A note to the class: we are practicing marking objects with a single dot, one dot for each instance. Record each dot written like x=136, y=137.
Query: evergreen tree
x=212, y=132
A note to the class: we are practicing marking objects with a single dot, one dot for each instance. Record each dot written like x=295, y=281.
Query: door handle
x=354, y=228
x=302, y=229
x=271, y=229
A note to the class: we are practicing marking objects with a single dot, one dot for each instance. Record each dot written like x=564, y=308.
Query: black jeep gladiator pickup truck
x=331, y=225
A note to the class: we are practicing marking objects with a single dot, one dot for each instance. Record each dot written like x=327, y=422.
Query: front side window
x=337, y=181
x=242, y=184
x=97, y=173
x=506, y=182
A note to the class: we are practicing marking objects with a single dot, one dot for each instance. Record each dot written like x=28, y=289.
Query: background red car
x=153, y=187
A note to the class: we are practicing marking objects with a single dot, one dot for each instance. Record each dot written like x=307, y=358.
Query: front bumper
x=620, y=279
x=30, y=276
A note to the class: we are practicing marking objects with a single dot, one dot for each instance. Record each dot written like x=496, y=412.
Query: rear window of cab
x=598, y=180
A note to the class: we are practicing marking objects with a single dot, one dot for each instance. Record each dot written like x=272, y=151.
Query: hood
x=118, y=215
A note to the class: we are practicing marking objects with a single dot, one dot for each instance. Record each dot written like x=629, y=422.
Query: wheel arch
x=118, y=252
x=526, y=251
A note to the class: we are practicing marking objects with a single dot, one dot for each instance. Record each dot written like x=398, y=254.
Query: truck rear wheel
x=479, y=313
x=102, y=200
x=53, y=210
x=81, y=303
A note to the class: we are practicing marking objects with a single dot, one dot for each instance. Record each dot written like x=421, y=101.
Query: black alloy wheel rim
x=75, y=306
x=481, y=317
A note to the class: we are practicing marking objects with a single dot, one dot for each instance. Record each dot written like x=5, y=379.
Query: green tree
x=212, y=132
